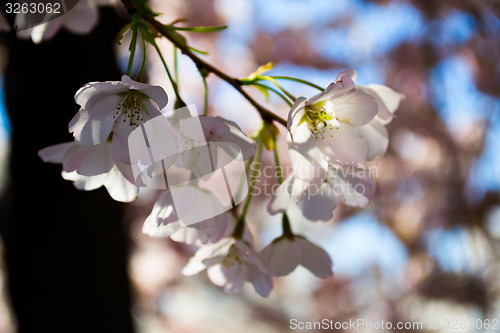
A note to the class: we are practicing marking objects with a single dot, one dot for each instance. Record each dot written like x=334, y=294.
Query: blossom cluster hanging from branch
x=123, y=141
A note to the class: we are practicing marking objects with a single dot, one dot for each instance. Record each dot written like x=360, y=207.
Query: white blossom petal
x=82, y=18
x=343, y=144
x=282, y=256
x=376, y=136
x=262, y=282
x=84, y=183
x=387, y=99
x=156, y=93
x=88, y=160
x=99, y=123
x=356, y=108
x=281, y=200
x=314, y=258
x=120, y=188
x=55, y=153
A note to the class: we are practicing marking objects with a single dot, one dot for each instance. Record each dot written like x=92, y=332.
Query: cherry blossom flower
x=284, y=254
x=344, y=121
x=206, y=142
x=316, y=186
x=230, y=263
x=165, y=219
x=113, y=109
x=90, y=167
x=331, y=135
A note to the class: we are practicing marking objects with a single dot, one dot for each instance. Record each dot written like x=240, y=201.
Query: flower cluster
x=331, y=135
x=123, y=141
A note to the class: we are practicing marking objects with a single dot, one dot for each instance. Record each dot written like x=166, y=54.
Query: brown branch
x=265, y=113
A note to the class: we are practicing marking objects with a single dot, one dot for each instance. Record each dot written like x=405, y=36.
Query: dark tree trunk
x=65, y=250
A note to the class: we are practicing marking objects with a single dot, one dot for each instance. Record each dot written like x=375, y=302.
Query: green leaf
x=263, y=90
x=260, y=70
x=202, y=29
x=298, y=80
x=198, y=51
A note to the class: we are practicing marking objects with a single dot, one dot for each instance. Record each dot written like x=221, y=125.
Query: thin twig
x=265, y=113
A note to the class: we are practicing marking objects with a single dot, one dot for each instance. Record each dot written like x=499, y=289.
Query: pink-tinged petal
x=354, y=185
x=314, y=258
x=281, y=199
x=45, y=31
x=318, y=202
x=343, y=143
x=100, y=122
x=76, y=124
x=156, y=93
x=350, y=73
x=208, y=231
x=160, y=134
x=356, y=108
x=262, y=283
x=307, y=160
x=131, y=172
x=91, y=93
x=198, y=262
x=218, y=249
x=82, y=18
x=281, y=257
x=154, y=227
x=120, y=143
x=119, y=188
x=85, y=183
x=234, y=270
x=189, y=199
x=213, y=128
x=249, y=255
x=163, y=220
x=334, y=90
x=55, y=153
x=377, y=138
x=88, y=160
x=235, y=136
x=388, y=100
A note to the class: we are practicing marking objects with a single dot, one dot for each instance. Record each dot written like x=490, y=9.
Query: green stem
x=277, y=161
x=270, y=79
x=287, y=229
x=266, y=114
x=205, y=97
x=176, y=67
x=298, y=80
x=283, y=97
x=238, y=231
x=171, y=79
x=131, y=48
x=144, y=59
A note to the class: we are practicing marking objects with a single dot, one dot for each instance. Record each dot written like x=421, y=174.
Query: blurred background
x=427, y=247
